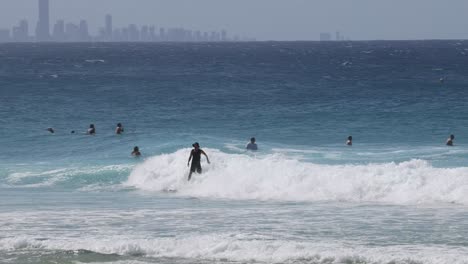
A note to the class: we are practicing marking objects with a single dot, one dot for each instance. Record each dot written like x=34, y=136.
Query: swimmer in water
x=136, y=152
x=195, y=157
x=91, y=130
x=350, y=141
x=252, y=145
x=119, y=130
x=51, y=130
x=450, y=140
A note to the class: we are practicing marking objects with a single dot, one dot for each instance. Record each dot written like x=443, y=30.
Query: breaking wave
x=227, y=248
x=277, y=177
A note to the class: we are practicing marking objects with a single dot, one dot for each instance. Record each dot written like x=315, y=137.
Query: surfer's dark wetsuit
x=196, y=157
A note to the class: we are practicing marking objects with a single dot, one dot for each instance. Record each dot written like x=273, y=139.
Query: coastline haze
x=262, y=19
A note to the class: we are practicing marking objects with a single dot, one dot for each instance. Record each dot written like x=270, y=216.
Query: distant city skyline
x=70, y=32
x=262, y=19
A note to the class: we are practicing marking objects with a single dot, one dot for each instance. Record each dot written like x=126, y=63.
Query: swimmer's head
x=73, y=132
x=136, y=149
x=252, y=140
x=196, y=145
x=119, y=125
x=452, y=137
x=91, y=126
x=350, y=138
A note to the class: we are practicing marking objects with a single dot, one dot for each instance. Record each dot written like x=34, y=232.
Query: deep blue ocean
x=398, y=195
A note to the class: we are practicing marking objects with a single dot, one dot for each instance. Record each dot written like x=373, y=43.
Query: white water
x=242, y=176
x=239, y=248
x=98, y=215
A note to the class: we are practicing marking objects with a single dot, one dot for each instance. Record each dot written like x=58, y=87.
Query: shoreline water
x=98, y=227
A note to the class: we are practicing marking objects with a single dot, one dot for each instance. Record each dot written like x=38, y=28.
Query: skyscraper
x=84, y=33
x=20, y=32
x=162, y=34
x=59, y=31
x=152, y=33
x=42, y=30
x=73, y=32
x=144, y=36
x=223, y=35
x=108, y=30
x=133, y=33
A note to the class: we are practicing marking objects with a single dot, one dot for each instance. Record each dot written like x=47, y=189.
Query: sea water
x=398, y=195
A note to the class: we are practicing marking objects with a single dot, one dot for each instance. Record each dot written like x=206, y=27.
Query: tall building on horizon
x=59, y=31
x=84, y=31
x=42, y=30
x=338, y=36
x=223, y=35
x=21, y=32
x=109, y=29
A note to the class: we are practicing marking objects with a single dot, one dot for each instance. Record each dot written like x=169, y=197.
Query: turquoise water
x=396, y=196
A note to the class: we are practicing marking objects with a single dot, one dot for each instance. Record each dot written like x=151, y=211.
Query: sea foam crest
x=232, y=248
x=276, y=177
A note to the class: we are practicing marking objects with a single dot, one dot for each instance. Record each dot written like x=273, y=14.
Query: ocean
x=397, y=196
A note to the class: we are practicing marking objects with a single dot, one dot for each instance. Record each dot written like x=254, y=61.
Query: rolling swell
x=273, y=176
x=69, y=177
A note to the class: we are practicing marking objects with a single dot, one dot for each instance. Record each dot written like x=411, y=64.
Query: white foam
x=240, y=248
x=240, y=176
x=95, y=61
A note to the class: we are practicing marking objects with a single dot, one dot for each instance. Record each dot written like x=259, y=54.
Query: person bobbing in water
x=91, y=130
x=450, y=140
x=195, y=157
x=119, y=130
x=350, y=141
x=136, y=152
x=252, y=145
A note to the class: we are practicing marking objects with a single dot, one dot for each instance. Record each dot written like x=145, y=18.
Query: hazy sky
x=265, y=19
